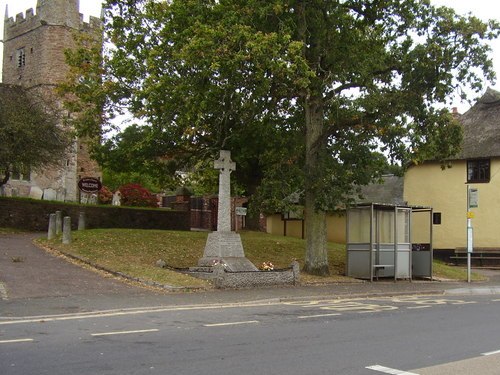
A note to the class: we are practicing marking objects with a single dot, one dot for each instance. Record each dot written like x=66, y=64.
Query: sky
x=483, y=9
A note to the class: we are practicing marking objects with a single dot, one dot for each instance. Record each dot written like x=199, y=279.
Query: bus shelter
x=379, y=241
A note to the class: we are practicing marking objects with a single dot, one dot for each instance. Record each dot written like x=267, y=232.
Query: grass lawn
x=135, y=252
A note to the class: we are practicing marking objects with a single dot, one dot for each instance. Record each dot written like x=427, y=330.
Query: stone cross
x=224, y=246
x=225, y=167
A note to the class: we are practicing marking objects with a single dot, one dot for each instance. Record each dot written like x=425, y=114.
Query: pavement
x=34, y=282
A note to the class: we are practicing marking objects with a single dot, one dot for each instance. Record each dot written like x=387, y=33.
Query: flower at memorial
x=216, y=262
x=266, y=266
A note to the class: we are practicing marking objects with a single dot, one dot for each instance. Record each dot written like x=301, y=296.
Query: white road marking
x=387, y=370
x=15, y=341
x=230, y=323
x=418, y=307
x=491, y=353
x=317, y=316
x=133, y=311
x=124, y=332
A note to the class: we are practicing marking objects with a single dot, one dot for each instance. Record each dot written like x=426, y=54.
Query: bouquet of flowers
x=266, y=266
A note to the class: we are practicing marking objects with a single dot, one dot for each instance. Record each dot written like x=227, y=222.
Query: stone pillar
x=66, y=231
x=225, y=167
x=59, y=222
x=52, y=227
x=81, y=221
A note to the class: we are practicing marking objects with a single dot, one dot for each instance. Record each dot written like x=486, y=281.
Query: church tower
x=33, y=58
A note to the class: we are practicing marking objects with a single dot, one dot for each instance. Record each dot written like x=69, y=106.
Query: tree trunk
x=316, y=259
x=6, y=177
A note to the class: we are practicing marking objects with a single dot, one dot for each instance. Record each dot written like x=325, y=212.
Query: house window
x=21, y=57
x=478, y=170
x=436, y=218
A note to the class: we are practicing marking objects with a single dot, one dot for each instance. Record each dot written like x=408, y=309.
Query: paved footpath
x=34, y=282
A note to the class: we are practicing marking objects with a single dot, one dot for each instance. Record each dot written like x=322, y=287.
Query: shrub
x=105, y=195
x=137, y=196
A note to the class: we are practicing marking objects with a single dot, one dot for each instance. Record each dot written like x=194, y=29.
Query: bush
x=105, y=195
x=137, y=196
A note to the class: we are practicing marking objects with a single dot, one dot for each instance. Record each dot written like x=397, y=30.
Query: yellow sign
x=470, y=215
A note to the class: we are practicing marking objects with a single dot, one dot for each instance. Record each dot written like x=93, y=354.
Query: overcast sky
x=484, y=9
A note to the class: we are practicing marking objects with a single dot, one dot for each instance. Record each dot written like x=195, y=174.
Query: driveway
x=29, y=273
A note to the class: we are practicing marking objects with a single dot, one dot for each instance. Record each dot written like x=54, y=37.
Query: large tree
x=302, y=91
x=30, y=134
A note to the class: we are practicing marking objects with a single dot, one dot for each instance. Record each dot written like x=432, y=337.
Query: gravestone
x=224, y=246
x=84, y=198
x=61, y=194
x=49, y=194
x=7, y=191
x=117, y=198
x=36, y=192
x=93, y=199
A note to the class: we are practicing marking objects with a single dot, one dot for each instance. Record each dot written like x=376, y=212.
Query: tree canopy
x=30, y=136
x=303, y=92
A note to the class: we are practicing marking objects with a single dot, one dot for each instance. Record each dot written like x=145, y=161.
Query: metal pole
x=469, y=237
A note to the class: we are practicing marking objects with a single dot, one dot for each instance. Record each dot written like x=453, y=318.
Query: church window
x=21, y=57
x=20, y=173
x=478, y=170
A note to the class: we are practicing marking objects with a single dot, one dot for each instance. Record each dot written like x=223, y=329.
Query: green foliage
x=30, y=135
x=302, y=93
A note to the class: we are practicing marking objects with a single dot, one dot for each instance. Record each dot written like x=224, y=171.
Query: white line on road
x=387, y=370
x=133, y=311
x=317, y=316
x=418, y=307
x=491, y=353
x=124, y=332
x=230, y=323
x=15, y=341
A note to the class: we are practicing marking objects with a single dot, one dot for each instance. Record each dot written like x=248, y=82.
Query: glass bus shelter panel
x=385, y=225
x=421, y=243
x=359, y=225
x=403, y=222
x=404, y=261
x=403, y=245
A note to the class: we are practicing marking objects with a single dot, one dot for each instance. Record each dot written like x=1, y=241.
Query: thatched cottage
x=477, y=166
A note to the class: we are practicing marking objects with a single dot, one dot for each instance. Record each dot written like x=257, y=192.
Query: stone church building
x=33, y=58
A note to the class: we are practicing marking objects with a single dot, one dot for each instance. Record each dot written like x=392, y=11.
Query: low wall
x=34, y=215
x=224, y=279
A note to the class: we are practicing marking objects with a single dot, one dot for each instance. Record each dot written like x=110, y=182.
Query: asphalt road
x=425, y=335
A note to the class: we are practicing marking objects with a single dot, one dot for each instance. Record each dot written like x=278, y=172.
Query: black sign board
x=89, y=185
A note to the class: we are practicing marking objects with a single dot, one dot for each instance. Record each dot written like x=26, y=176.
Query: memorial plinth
x=224, y=245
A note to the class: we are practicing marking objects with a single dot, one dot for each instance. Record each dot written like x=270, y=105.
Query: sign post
x=472, y=202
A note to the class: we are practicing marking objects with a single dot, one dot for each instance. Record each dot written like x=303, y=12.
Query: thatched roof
x=481, y=126
x=388, y=192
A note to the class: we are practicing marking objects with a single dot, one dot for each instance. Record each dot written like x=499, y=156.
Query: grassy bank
x=135, y=252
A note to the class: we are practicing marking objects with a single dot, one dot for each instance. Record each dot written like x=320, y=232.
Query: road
x=425, y=335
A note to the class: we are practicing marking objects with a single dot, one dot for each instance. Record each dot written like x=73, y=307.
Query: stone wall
x=41, y=39
x=224, y=279
x=34, y=215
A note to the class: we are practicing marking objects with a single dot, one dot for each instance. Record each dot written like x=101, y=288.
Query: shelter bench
x=479, y=253
x=378, y=267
